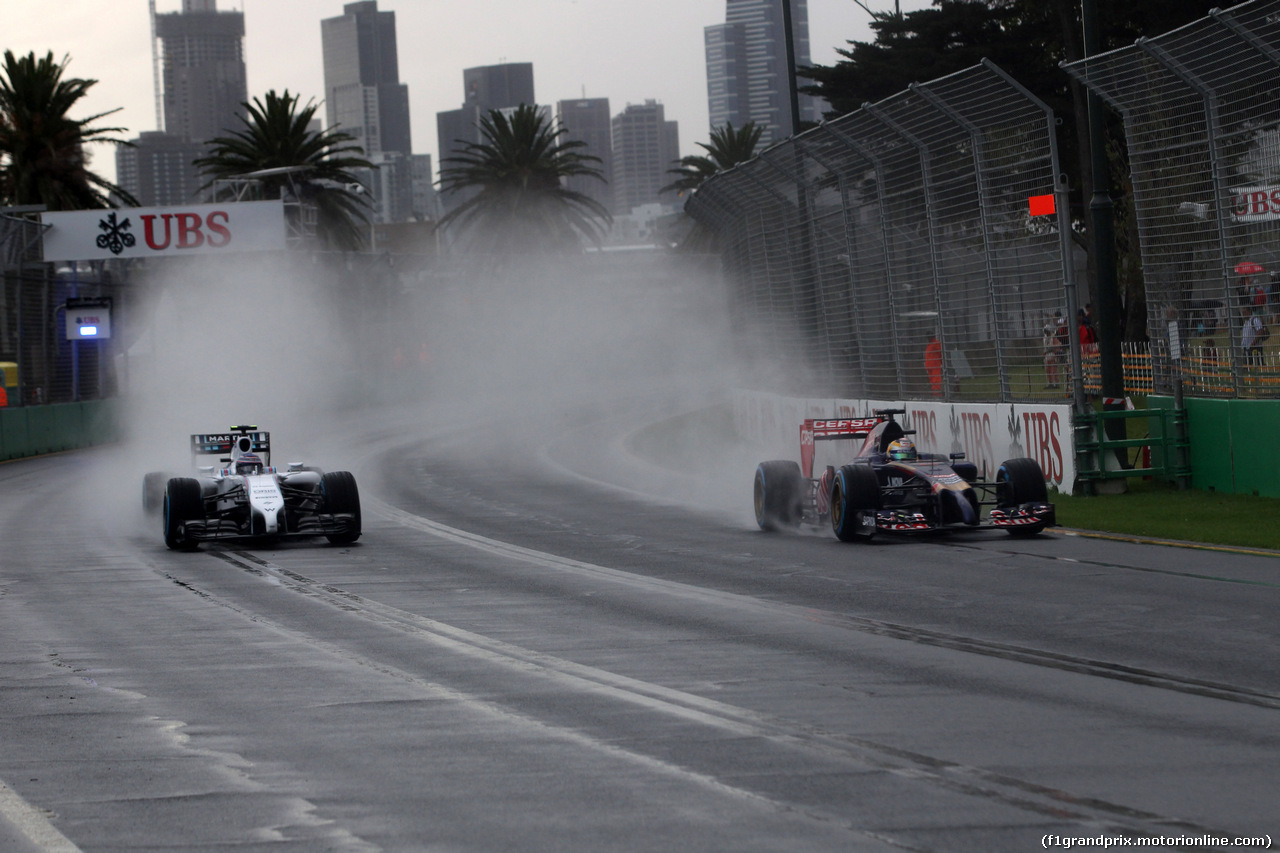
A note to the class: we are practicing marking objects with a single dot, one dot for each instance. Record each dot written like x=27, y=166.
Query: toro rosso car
x=890, y=488
x=248, y=498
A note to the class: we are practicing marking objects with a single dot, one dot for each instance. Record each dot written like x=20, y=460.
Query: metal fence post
x=1212, y=127
x=930, y=206
x=882, y=192
x=984, y=218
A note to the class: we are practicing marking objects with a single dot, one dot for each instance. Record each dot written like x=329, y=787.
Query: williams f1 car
x=248, y=498
x=890, y=488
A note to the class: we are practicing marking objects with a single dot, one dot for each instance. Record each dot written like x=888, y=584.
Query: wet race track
x=548, y=641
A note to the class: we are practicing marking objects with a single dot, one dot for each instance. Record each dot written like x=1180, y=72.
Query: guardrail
x=35, y=430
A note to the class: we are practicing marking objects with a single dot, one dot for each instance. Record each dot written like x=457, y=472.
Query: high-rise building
x=158, y=169
x=645, y=148
x=747, y=67
x=204, y=73
x=204, y=89
x=363, y=93
x=588, y=120
x=486, y=87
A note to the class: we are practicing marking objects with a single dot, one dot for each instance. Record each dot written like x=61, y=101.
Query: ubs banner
x=987, y=433
x=149, y=232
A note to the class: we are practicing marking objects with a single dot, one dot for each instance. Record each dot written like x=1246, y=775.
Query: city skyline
x=628, y=53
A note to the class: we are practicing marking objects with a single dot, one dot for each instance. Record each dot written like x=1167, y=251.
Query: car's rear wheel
x=855, y=497
x=183, y=502
x=153, y=485
x=778, y=494
x=341, y=497
x=1021, y=481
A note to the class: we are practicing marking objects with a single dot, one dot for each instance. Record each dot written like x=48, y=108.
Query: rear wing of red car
x=830, y=429
x=245, y=439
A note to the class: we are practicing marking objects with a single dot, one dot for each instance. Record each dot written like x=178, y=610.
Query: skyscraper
x=158, y=169
x=747, y=67
x=486, y=87
x=204, y=74
x=363, y=93
x=204, y=88
x=588, y=120
x=645, y=148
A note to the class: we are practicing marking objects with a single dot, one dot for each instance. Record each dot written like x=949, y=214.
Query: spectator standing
x=1250, y=337
x=1055, y=347
x=933, y=365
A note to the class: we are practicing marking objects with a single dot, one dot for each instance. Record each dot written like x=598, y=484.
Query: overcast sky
x=625, y=50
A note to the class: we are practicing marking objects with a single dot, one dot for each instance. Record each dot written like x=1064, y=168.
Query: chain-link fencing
x=38, y=362
x=892, y=253
x=1201, y=110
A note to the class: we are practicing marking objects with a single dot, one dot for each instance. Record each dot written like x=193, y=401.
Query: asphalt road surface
x=549, y=640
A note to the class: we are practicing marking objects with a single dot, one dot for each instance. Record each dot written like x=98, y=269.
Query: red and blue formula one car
x=889, y=487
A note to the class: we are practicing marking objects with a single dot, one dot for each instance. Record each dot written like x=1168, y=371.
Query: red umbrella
x=1249, y=268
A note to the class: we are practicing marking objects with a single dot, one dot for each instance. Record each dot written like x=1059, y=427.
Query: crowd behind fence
x=1201, y=110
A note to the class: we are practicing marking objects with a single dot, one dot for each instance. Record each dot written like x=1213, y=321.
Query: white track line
x=33, y=823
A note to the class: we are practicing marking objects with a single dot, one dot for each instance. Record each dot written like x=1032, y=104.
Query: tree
x=275, y=136
x=42, y=156
x=519, y=203
x=726, y=149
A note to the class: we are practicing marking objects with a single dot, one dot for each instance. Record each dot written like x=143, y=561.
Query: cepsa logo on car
x=843, y=427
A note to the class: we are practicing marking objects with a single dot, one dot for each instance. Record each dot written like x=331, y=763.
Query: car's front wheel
x=183, y=502
x=341, y=498
x=1021, y=481
x=855, y=498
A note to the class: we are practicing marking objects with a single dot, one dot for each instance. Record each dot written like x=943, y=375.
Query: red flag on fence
x=1042, y=205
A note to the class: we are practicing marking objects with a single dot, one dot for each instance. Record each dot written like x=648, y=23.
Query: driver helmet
x=902, y=450
x=250, y=463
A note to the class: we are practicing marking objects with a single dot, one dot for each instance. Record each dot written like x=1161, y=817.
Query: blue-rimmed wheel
x=1021, y=481
x=855, y=497
x=778, y=494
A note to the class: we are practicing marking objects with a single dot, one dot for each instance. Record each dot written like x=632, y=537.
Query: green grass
x=1160, y=511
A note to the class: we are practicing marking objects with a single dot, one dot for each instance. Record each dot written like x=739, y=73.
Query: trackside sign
x=150, y=232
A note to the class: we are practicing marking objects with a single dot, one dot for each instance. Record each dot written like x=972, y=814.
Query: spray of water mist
x=326, y=354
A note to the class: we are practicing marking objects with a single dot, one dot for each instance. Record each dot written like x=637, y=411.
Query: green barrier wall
x=32, y=430
x=1233, y=444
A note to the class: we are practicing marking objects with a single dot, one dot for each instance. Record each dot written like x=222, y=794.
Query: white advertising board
x=148, y=232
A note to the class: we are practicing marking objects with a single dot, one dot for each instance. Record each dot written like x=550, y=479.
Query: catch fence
x=1201, y=110
x=38, y=364
x=850, y=247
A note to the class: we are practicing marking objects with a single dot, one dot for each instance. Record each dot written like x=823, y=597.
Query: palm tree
x=275, y=136
x=42, y=156
x=520, y=204
x=727, y=148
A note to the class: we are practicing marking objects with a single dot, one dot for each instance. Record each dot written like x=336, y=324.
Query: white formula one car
x=249, y=499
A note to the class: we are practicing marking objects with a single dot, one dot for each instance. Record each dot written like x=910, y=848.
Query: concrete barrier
x=33, y=430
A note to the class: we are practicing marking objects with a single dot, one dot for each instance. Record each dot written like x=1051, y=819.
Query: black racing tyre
x=1021, y=481
x=854, y=494
x=153, y=485
x=183, y=502
x=778, y=494
x=341, y=497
